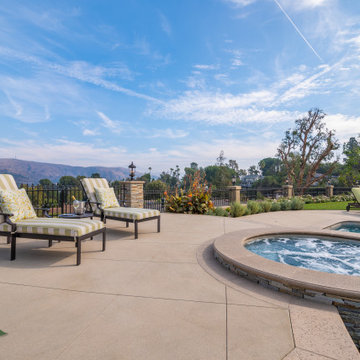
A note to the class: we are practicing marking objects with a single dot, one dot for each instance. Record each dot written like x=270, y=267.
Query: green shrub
x=275, y=206
x=219, y=211
x=297, y=203
x=247, y=212
x=237, y=209
x=285, y=205
x=253, y=207
x=210, y=212
x=266, y=205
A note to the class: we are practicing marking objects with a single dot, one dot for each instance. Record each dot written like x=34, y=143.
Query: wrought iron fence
x=313, y=191
x=316, y=191
x=341, y=190
x=220, y=197
x=154, y=199
x=59, y=198
x=259, y=193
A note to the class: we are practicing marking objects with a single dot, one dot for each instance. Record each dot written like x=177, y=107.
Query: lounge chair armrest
x=6, y=214
x=95, y=203
x=45, y=211
x=8, y=221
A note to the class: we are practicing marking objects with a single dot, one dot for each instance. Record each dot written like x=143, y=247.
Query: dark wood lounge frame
x=355, y=204
x=103, y=217
x=11, y=238
x=352, y=205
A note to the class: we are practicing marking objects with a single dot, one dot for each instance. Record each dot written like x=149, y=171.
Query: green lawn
x=341, y=205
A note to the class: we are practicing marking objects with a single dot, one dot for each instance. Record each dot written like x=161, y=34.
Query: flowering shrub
x=308, y=199
x=196, y=200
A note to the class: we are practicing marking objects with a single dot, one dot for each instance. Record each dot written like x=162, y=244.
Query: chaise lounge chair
x=356, y=192
x=103, y=203
x=18, y=220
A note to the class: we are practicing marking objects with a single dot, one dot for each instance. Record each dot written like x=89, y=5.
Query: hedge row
x=255, y=207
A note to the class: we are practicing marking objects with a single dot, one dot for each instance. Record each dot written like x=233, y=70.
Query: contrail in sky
x=299, y=32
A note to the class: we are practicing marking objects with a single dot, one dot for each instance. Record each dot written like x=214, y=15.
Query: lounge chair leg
x=8, y=240
x=127, y=224
x=158, y=224
x=104, y=241
x=136, y=229
x=78, y=253
x=50, y=243
x=13, y=248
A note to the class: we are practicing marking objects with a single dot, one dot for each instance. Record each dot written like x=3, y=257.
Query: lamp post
x=233, y=180
x=132, y=171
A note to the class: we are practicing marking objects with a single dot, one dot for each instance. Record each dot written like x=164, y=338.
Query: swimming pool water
x=315, y=253
x=351, y=227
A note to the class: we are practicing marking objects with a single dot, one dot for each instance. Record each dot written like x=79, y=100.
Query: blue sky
x=165, y=83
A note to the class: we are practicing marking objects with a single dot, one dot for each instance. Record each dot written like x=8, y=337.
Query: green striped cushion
x=89, y=185
x=356, y=192
x=131, y=213
x=5, y=227
x=7, y=182
x=54, y=226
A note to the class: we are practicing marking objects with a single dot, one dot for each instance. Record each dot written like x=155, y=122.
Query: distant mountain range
x=30, y=172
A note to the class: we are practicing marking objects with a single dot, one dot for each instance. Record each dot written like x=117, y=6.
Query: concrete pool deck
x=162, y=296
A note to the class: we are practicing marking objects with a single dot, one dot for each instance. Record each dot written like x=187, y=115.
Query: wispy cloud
x=168, y=133
x=306, y=4
x=90, y=132
x=241, y=3
x=222, y=108
x=165, y=24
x=205, y=67
x=78, y=70
x=62, y=151
x=114, y=126
x=236, y=60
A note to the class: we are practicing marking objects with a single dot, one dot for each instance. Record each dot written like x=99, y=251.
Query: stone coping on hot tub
x=230, y=250
x=338, y=224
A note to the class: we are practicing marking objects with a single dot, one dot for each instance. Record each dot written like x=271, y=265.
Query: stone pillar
x=134, y=193
x=287, y=191
x=234, y=193
x=329, y=191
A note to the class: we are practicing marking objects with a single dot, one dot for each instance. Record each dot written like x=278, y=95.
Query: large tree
x=305, y=148
x=351, y=171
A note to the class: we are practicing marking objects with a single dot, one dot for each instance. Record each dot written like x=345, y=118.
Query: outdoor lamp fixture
x=233, y=180
x=132, y=171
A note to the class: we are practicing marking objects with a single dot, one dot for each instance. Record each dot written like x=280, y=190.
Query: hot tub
x=328, y=254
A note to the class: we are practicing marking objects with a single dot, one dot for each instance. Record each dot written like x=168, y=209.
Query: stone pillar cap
x=133, y=182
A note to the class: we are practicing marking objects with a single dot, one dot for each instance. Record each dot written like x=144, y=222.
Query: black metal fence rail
x=316, y=191
x=341, y=190
x=259, y=193
x=155, y=199
x=220, y=197
x=59, y=198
